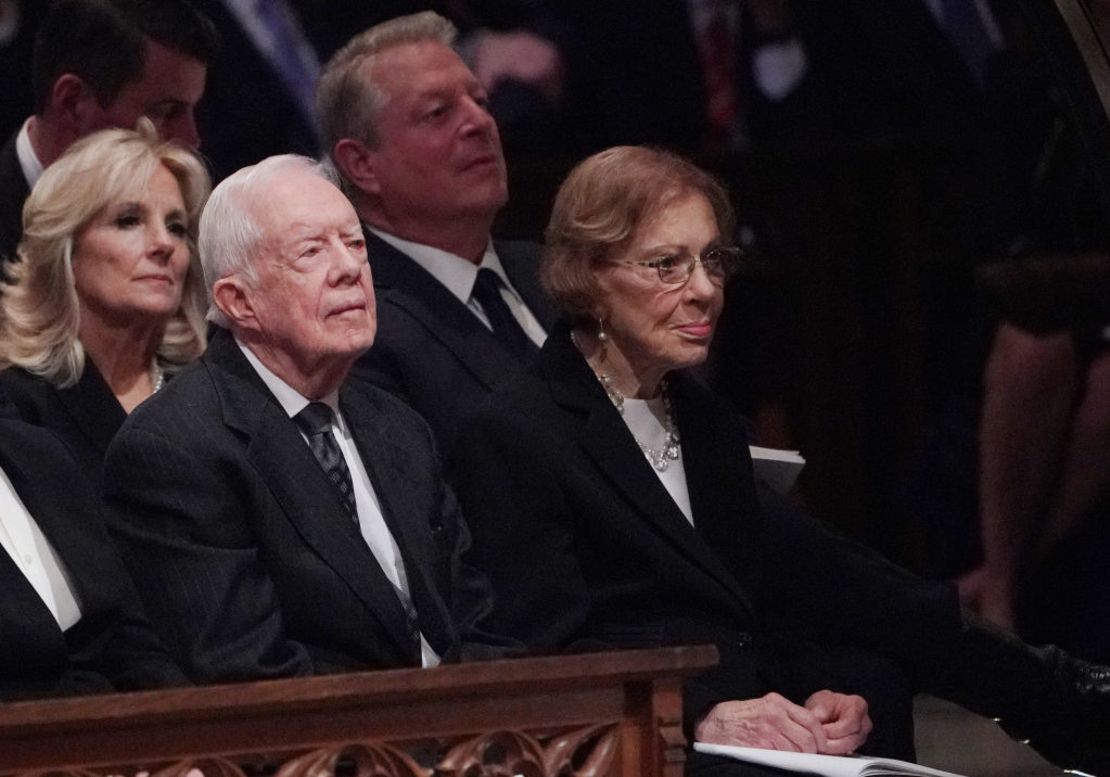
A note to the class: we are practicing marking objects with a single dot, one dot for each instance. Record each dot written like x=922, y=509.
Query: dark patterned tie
x=315, y=421
x=487, y=290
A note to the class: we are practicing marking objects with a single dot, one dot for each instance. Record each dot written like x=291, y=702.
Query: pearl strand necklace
x=660, y=458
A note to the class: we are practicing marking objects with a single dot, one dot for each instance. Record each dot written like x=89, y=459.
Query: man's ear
x=233, y=299
x=356, y=162
x=74, y=105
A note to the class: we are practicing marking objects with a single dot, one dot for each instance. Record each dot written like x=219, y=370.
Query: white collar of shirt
x=28, y=160
x=288, y=397
x=453, y=271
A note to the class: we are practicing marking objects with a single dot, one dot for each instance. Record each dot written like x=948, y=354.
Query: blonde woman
x=107, y=299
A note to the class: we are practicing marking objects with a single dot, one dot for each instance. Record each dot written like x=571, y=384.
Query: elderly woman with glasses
x=611, y=499
x=107, y=298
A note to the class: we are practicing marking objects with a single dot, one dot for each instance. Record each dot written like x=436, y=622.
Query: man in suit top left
x=70, y=621
x=98, y=64
x=278, y=520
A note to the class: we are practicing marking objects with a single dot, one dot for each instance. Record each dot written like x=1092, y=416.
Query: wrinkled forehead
x=297, y=202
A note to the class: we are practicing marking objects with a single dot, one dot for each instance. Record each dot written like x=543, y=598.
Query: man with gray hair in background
x=278, y=520
x=407, y=127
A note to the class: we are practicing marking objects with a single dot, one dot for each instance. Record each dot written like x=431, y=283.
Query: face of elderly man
x=439, y=153
x=314, y=299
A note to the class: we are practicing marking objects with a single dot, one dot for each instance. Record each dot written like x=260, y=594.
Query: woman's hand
x=771, y=722
x=844, y=719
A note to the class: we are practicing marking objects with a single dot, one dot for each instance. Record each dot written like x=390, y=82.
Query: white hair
x=229, y=234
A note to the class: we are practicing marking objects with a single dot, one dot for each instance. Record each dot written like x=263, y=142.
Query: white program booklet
x=777, y=468
x=823, y=765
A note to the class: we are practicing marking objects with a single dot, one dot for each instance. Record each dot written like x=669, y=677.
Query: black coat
x=582, y=542
x=112, y=645
x=86, y=415
x=246, y=558
x=430, y=349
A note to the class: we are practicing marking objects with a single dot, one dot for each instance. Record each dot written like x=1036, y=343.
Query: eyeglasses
x=719, y=263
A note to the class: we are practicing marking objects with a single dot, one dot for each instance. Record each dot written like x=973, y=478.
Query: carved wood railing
x=590, y=715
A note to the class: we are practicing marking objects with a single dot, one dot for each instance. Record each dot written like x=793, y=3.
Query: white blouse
x=644, y=418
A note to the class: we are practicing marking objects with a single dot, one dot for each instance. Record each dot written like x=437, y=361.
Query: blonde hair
x=347, y=101
x=39, y=305
x=600, y=206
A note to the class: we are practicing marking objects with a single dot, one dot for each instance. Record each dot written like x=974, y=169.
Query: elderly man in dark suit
x=70, y=621
x=104, y=64
x=279, y=520
x=407, y=127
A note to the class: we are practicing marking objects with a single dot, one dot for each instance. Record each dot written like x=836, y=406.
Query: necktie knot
x=488, y=282
x=315, y=421
x=315, y=418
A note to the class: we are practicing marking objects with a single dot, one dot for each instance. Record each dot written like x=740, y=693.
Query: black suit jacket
x=582, y=541
x=112, y=644
x=247, y=561
x=86, y=415
x=430, y=350
x=13, y=193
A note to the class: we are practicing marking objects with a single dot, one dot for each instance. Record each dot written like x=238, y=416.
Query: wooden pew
x=589, y=715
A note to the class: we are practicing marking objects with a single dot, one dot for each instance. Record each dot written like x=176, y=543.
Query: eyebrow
x=672, y=247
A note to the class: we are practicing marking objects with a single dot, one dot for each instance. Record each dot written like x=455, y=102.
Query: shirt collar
x=291, y=400
x=28, y=160
x=454, y=272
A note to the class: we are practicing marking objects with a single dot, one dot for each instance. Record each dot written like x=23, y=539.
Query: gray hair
x=40, y=308
x=347, y=99
x=229, y=233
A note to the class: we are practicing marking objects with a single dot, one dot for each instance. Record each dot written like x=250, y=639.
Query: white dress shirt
x=28, y=160
x=371, y=522
x=24, y=541
x=458, y=276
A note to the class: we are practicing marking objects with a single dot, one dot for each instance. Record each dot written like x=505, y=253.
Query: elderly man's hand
x=844, y=719
x=771, y=722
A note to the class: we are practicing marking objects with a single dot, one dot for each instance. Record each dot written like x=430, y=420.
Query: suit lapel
x=306, y=497
x=722, y=491
x=606, y=439
x=404, y=283
x=93, y=407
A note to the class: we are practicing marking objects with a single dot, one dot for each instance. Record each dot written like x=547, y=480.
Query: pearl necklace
x=660, y=458
x=157, y=377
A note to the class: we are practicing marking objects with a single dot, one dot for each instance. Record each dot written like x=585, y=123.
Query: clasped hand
x=829, y=723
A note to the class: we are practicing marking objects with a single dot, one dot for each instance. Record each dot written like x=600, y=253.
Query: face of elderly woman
x=130, y=260
x=656, y=327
